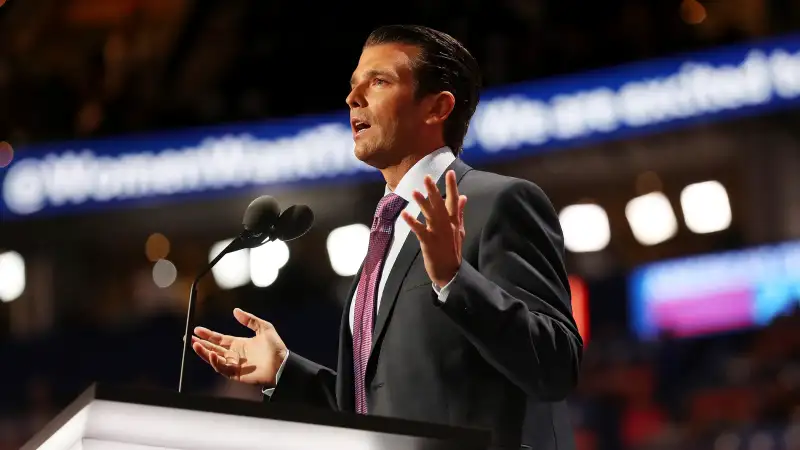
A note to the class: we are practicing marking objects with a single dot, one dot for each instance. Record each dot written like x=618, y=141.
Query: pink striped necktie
x=380, y=238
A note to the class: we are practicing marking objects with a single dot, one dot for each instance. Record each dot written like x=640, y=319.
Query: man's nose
x=355, y=99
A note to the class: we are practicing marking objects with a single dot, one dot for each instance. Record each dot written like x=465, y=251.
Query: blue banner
x=511, y=121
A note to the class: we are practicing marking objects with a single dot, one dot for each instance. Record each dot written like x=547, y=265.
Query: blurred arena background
x=666, y=132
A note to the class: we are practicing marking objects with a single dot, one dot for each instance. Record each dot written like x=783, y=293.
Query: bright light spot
x=266, y=261
x=156, y=247
x=585, y=228
x=164, y=273
x=233, y=270
x=272, y=254
x=706, y=207
x=263, y=276
x=347, y=247
x=12, y=274
x=651, y=218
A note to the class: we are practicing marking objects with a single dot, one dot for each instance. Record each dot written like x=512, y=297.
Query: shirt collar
x=433, y=164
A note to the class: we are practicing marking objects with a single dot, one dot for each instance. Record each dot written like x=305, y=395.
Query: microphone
x=262, y=222
x=294, y=222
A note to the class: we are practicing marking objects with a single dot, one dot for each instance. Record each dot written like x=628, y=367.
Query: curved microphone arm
x=245, y=240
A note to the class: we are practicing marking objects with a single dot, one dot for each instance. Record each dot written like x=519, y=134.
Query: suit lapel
x=403, y=264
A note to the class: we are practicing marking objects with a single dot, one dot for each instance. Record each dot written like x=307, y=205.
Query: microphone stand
x=244, y=240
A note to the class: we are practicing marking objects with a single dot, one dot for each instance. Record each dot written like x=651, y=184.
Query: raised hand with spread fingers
x=442, y=235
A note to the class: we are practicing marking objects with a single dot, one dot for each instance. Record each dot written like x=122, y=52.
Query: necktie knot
x=389, y=207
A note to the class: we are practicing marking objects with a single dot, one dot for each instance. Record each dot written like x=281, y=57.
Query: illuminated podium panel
x=114, y=418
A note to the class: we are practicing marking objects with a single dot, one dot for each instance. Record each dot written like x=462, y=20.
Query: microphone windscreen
x=294, y=222
x=261, y=214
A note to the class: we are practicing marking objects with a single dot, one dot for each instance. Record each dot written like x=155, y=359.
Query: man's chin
x=373, y=158
x=366, y=153
x=362, y=152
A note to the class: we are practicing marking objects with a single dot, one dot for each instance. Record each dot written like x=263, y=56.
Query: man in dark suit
x=459, y=315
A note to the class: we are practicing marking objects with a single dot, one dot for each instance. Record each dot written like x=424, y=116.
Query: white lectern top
x=114, y=418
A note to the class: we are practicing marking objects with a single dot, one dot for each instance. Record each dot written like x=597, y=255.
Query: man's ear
x=439, y=107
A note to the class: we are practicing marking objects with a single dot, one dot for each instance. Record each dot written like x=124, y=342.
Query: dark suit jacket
x=501, y=353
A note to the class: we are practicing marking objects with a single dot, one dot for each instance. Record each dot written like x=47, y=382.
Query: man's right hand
x=253, y=360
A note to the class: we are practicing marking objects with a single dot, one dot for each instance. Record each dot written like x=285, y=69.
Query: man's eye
x=379, y=81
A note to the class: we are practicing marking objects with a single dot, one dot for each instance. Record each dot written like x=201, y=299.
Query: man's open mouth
x=359, y=126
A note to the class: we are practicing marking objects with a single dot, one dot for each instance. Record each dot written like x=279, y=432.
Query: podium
x=118, y=418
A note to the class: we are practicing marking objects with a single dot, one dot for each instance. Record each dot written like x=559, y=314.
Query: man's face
x=384, y=114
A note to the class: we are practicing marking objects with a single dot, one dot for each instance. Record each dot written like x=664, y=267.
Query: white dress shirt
x=433, y=164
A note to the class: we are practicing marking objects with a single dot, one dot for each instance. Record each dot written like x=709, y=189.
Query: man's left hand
x=442, y=235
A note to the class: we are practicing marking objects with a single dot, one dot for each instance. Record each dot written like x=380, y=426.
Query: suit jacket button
x=377, y=386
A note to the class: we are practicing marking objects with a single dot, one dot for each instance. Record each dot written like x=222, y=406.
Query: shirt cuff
x=442, y=293
x=268, y=392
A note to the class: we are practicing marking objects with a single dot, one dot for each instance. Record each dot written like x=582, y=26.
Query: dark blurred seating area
x=92, y=67
x=727, y=392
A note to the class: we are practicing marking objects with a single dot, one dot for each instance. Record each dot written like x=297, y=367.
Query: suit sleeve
x=306, y=382
x=515, y=306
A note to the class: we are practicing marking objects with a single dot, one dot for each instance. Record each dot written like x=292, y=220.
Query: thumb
x=248, y=320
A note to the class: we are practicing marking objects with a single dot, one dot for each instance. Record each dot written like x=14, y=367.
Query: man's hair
x=442, y=65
